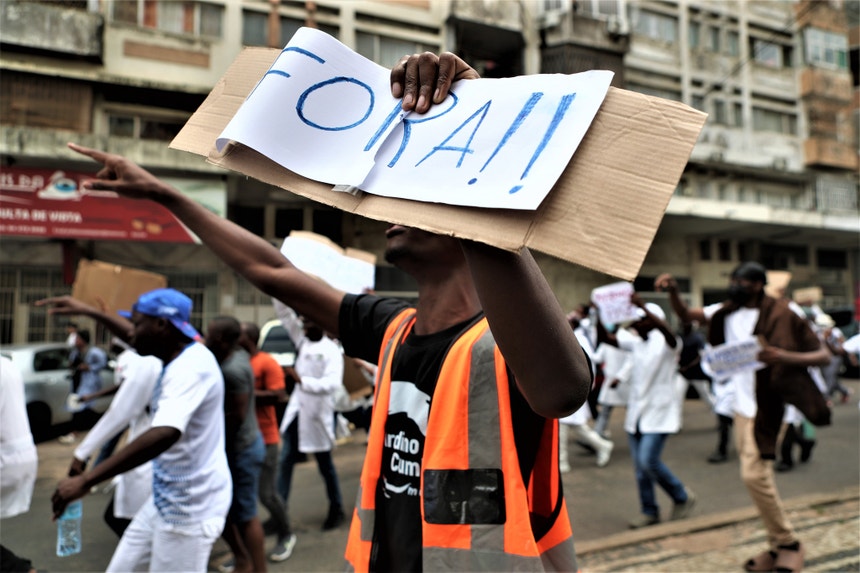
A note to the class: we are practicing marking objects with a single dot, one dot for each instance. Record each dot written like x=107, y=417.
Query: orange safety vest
x=476, y=510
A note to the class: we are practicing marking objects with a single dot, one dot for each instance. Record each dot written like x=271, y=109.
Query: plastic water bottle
x=69, y=530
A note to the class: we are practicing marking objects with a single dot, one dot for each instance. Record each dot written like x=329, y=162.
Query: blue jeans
x=289, y=453
x=645, y=449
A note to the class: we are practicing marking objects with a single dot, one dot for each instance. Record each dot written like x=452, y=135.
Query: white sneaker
x=604, y=453
x=564, y=468
x=283, y=549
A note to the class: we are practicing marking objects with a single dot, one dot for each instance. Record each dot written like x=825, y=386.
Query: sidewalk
x=828, y=524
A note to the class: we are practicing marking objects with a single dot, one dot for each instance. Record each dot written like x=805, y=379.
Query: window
x=770, y=54
x=705, y=250
x=698, y=102
x=719, y=116
x=194, y=18
x=733, y=44
x=724, y=250
x=657, y=26
x=775, y=121
x=655, y=91
x=255, y=28
x=287, y=220
x=249, y=217
x=738, y=114
x=693, y=34
x=45, y=102
x=142, y=126
x=825, y=49
x=714, y=39
x=289, y=26
x=386, y=51
x=832, y=259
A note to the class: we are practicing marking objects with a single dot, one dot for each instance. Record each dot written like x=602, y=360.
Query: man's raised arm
x=249, y=255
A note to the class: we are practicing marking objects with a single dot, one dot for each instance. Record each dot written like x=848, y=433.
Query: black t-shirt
x=415, y=370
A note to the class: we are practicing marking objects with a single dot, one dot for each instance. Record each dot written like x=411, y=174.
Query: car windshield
x=278, y=341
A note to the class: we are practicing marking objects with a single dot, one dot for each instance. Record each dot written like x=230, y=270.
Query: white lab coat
x=319, y=364
x=136, y=376
x=18, y=457
x=617, y=364
x=653, y=405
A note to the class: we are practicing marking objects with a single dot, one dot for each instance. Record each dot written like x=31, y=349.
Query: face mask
x=738, y=294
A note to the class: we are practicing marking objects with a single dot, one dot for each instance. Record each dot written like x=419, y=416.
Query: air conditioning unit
x=617, y=27
x=780, y=163
x=550, y=19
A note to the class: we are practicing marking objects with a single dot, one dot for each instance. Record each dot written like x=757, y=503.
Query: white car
x=275, y=340
x=47, y=384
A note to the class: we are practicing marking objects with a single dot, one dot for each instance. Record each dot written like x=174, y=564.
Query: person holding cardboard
x=789, y=346
x=191, y=487
x=487, y=344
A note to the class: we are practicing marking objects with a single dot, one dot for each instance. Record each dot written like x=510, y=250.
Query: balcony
x=827, y=85
x=821, y=152
x=45, y=27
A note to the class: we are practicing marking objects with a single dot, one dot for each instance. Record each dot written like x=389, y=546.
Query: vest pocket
x=464, y=497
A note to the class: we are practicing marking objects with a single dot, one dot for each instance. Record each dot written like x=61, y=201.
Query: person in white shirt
x=18, y=456
x=136, y=377
x=191, y=486
x=308, y=425
x=617, y=367
x=653, y=409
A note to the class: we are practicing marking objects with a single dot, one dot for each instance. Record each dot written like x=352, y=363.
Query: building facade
x=773, y=177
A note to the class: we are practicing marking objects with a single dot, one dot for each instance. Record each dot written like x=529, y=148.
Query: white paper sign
x=327, y=113
x=613, y=302
x=329, y=264
x=721, y=362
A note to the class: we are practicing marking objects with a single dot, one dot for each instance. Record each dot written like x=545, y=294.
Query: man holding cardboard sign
x=431, y=478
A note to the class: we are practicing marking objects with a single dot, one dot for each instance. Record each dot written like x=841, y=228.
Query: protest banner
x=808, y=296
x=721, y=362
x=622, y=174
x=613, y=302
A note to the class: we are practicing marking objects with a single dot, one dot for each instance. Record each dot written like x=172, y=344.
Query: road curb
x=706, y=522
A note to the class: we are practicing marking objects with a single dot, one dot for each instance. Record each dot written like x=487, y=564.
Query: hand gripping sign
x=326, y=113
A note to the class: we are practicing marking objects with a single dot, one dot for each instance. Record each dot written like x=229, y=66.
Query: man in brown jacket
x=789, y=347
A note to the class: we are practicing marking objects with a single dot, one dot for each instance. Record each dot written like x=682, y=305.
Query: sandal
x=789, y=560
x=764, y=561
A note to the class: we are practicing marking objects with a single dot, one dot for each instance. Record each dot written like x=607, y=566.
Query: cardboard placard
x=354, y=380
x=809, y=295
x=777, y=283
x=116, y=287
x=619, y=180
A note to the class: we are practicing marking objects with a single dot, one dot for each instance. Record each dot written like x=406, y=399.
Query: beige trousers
x=758, y=477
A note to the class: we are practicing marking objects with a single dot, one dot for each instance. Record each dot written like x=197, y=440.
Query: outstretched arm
x=68, y=306
x=249, y=255
x=530, y=328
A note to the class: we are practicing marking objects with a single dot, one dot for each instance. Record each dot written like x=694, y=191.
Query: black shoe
x=806, y=450
x=717, y=458
x=335, y=518
x=783, y=466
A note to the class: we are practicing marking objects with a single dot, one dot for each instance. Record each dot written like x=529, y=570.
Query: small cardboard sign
x=113, y=287
x=723, y=361
x=808, y=295
x=350, y=270
x=613, y=302
x=622, y=177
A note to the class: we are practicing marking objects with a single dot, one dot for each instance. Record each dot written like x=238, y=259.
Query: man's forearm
x=145, y=448
x=530, y=328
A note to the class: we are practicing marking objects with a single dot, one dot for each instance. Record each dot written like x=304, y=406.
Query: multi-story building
x=773, y=177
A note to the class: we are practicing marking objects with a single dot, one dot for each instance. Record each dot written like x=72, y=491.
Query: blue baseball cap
x=166, y=303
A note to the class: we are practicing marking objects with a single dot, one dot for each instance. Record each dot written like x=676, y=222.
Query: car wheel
x=39, y=415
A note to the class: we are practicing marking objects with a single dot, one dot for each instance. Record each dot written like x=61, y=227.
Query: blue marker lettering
x=560, y=111
x=518, y=121
x=482, y=112
x=281, y=73
x=388, y=120
x=340, y=79
x=407, y=128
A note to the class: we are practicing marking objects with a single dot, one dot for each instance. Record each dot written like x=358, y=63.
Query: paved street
x=822, y=497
